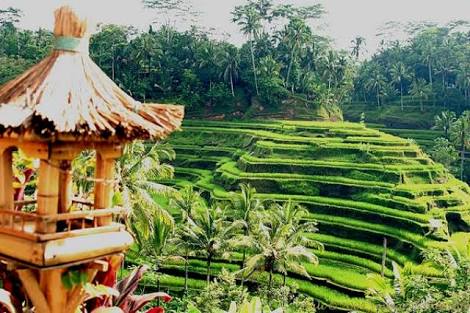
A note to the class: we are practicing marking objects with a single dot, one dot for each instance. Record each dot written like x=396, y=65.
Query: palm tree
x=188, y=202
x=329, y=67
x=400, y=73
x=244, y=206
x=136, y=172
x=445, y=68
x=279, y=245
x=296, y=33
x=357, y=44
x=444, y=122
x=210, y=233
x=412, y=292
x=428, y=52
x=293, y=214
x=421, y=90
x=460, y=134
x=376, y=82
x=231, y=66
x=154, y=241
x=249, y=20
x=146, y=51
x=463, y=80
x=208, y=60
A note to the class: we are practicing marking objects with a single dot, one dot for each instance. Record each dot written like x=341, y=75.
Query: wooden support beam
x=65, y=186
x=104, y=175
x=21, y=249
x=33, y=149
x=85, y=247
x=48, y=193
x=56, y=294
x=31, y=285
x=6, y=183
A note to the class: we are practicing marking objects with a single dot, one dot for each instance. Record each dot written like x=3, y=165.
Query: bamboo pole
x=48, y=193
x=104, y=174
x=6, y=182
x=65, y=186
x=55, y=292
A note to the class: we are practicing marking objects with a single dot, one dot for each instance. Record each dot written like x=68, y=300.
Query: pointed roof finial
x=70, y=31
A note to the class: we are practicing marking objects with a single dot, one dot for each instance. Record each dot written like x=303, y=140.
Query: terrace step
x=360, y=185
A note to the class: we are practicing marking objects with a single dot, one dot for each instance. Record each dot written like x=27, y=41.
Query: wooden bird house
x=60, y=107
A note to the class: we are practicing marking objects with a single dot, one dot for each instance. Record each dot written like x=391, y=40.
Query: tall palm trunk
x=113, y=71
x=291, y=62
x=231, y=85
x=255, y=76
x=401, y=95
x=284, y=276
x=378, y=96
x=158, y=288
x=209, y=261
x=430, y=81
x=430, y=72
x=242, y=282
x=384, y=257
x=186, y=266
x=245, y=232
x=462, y=160
x=270, y=282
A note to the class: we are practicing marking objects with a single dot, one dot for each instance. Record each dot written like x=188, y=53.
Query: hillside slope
x=360, y=184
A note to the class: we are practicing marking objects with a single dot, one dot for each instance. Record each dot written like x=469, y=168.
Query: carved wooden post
x=55, y=292
x=48, y=192
x=104, y=175
x=65, y=186
x=6, y=183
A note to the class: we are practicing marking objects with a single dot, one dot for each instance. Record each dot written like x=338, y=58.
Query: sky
x=345, y=19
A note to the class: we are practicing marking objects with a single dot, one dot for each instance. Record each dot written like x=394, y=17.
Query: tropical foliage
x=431, y=68
x=282, y=53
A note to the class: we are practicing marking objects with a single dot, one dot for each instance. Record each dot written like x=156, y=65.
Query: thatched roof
x=68, y=94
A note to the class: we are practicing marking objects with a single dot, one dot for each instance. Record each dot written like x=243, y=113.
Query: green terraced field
x=361, y=186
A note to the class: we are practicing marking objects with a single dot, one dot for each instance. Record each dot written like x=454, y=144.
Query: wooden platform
x=51, y=240
x=63, y=251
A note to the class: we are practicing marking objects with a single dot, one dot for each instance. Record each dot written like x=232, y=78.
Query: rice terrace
x=189, y=156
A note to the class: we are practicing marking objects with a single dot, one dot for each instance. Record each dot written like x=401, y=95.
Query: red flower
x=157, y=309
x=167, y=298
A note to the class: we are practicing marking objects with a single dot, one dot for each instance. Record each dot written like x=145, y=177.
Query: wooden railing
x=83, y=219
